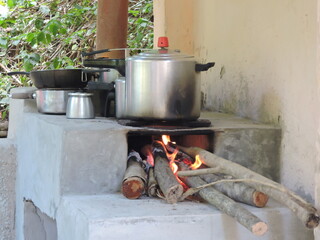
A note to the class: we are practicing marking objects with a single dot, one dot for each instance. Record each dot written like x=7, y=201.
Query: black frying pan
x=59, y=78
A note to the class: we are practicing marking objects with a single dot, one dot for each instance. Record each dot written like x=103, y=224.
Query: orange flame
x=197, y=163
x=172, y=164
x=166, y=139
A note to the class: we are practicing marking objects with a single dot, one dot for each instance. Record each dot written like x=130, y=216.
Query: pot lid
x=161, y=54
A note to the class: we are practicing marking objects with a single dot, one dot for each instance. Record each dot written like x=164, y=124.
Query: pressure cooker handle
x=204, y=67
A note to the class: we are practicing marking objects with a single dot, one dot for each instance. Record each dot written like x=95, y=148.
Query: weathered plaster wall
x=7, y=189
x=266, y=59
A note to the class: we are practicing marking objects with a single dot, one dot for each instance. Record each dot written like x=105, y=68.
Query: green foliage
x=140, y=24
x=51, y=34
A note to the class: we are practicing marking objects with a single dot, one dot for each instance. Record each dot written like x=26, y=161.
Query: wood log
x=167, y=181
x=228, y=206
x=152, y=184
x=302, y=209
x=4, y=126
x=135, y=179
x=239, y=192
x=197, y=172
x=3, y=134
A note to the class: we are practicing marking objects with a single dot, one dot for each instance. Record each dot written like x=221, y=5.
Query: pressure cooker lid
x=161, y=54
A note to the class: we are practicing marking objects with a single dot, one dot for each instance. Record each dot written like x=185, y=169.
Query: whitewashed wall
x=266, y=68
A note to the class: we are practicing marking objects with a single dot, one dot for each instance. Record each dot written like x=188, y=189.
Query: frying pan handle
x=84, y=54
x=95, y=70
x=18, y=73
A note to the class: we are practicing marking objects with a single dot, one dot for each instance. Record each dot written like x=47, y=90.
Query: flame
x=146, y=151
x=172, y=164
x=197, y=163
x=174, y=167
x=166, y=139
x=150, y=159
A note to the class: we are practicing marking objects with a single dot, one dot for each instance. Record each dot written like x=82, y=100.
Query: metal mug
x=80, y=106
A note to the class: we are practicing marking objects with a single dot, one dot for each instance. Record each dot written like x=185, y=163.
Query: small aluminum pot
x=80, y=106
x=52, y=101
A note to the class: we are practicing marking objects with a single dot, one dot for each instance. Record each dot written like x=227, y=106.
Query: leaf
x=33, y=42
x=48, y=38
x=28, y=66
x=56, y=63
x=41, y=37
x=3, y=42
x=53, y=28
x=35, y=57
x=44, y=9
x=11, y=3
x=4, y=114
x=38, y=23
x=30, y=37
x=63, y=30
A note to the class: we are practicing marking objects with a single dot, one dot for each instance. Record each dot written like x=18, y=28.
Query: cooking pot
x=60, y=78
x=80, y=106
x=49, y=101
x=160, y=85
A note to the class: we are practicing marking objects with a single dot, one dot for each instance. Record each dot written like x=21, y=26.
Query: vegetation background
x=50, y=34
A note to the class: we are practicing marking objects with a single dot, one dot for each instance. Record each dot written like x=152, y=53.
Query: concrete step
x=112, y=216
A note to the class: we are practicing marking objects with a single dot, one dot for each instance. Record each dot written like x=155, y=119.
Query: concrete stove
x=69, y=174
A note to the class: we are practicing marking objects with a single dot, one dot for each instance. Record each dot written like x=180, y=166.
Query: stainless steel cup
x=80, y=106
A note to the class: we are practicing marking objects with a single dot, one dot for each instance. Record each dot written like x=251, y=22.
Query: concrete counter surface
x=112, y=216
x=219, y=121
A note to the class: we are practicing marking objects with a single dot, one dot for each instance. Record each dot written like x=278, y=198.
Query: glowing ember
x=197, y=163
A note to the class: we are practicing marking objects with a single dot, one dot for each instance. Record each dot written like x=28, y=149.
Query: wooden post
x=112, y=27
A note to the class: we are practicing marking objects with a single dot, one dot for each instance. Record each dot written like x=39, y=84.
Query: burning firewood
x=302, y=209
x=166, y=179
x=152, y=184
x=237, y=191
x=227, y=205
x=135, y=178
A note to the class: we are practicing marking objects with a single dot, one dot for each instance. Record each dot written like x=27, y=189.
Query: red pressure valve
x=163, y=42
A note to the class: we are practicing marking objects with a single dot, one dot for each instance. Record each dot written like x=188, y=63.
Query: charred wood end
x=260, y=199
x=133, y=187
x=313, y=221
